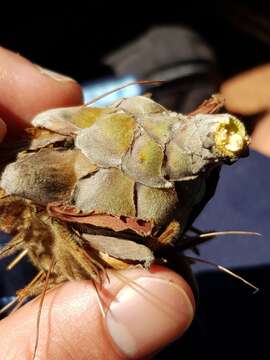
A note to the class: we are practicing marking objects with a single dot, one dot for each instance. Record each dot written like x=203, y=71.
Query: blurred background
x=200, y=48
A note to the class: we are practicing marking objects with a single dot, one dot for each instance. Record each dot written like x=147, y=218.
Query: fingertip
x=27, y=89
x=61, y=90
x=149, y=313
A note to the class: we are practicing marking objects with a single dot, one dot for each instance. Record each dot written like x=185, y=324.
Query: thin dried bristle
x=98, y=268
x=191, y=242
x=99, y=300
x=107, y=275
x=14, y=245
x=23, y=294
x=95, y=263
x=222, y=268
x=230, y=232
x=40, y=306
x=156, y=301
x=9, y=305
x=139, y=82
x=17, y=259
x=10, y=248
x=20, y=303
x=35, y=279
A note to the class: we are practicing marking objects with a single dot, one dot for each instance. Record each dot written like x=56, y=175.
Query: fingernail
x=147, y=315
x=3, y=129
x=54, y=75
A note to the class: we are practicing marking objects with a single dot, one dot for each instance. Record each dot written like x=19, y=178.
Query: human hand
x=146, y=309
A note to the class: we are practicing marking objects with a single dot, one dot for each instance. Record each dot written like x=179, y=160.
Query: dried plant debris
x=101, y=188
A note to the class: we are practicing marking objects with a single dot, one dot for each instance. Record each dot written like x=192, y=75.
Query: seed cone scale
x=100, y=184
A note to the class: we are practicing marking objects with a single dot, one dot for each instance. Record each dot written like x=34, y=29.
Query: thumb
x=144, y=311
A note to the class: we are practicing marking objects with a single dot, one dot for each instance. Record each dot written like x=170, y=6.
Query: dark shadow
x=231, y=321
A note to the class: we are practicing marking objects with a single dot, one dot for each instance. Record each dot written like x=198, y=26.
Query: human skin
x=145, y=310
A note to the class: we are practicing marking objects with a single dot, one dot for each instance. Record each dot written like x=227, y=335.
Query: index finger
x=27, y=89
